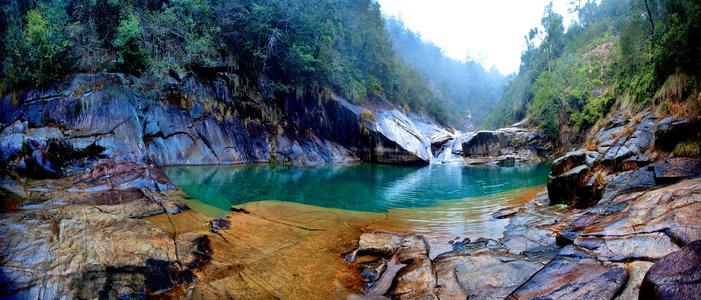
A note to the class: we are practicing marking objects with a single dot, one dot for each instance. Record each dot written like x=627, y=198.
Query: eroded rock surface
x=84, y=238
x=195, y=120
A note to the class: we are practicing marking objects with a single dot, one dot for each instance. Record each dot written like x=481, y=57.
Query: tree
x=129, y=43
x=35, y=49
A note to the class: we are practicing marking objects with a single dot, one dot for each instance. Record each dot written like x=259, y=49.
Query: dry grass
x=591, y=144
x=673, y=88
x=687, y=149
x=368, y=116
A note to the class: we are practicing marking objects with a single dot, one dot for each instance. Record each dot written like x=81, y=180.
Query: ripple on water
x=359, y=187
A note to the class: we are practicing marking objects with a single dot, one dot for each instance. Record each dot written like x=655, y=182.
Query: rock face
x=675, y=276
x=200, y=121
x=624, y=161
x=84, y=238
x=512, y=143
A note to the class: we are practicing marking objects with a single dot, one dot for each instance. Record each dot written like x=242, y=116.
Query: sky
x=489, y=31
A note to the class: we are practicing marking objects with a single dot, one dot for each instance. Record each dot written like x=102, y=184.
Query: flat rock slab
x=573, y=278
x=672, y=210
x=83, y=252
x=675, y=276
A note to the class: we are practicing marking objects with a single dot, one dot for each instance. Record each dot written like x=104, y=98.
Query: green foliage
x=544, y=110
x=36, y=45
x=273, y=45
x=128, y=42
x=593, y=110
x=612, y=52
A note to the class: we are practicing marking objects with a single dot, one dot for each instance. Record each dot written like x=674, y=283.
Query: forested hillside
x=620, y=53
x=272, y=45
x=466, y=87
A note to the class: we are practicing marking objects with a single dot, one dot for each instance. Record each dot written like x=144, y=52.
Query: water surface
x=358, y=187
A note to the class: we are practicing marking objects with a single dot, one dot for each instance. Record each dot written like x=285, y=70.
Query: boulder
x=629, y=181
x=571, y=182
x=675, y=169
x=372, y=271
x=670, y=210
x=412, y=247
x=675, y=276
x=219, y=224
x=482, y=143
x=121, y=174
x=381, y=243
x=417, y=280
x=671, y=131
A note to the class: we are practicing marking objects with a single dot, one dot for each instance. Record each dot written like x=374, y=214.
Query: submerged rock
x=217, y=225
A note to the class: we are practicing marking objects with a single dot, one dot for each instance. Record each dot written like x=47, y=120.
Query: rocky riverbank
x=625, y=227
x=99, y=219
x=60, y=129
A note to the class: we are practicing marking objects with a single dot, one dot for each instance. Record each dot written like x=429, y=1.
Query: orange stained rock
x=292, y=251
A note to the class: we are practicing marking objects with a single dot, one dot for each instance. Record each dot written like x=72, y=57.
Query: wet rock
x=671, y=210
x=122, y=174
x=483, y=143
x=570, y=180
x=511, y=144
x=488, y=276
x=82, y=252
x=412, y=247
x=372, y=271
x=644, y=246
x=40, y=165
x=381, y=243
x=628, y=181
x=573, y=278
x=675, y=276
x=675, y=169
x=671, y=131
x=506, y=212
x=415, y=281
x=219, y=224
x=573, y=159
x=11, y=187
x=636, y=273
x=507, y=161
x=468, y=247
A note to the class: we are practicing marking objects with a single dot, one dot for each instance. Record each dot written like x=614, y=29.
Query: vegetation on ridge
x=273, y=45
x=619, y=52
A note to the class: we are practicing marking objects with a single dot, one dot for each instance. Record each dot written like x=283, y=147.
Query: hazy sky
x=490, y=31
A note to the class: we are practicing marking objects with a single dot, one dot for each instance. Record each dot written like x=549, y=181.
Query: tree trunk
x=649, y=16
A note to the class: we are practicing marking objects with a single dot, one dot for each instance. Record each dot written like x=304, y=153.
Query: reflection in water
x=360, y=187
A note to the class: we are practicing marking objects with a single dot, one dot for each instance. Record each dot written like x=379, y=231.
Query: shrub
x=688, y=148
x=129, y=43
x=36, y=48
x=593, y=110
